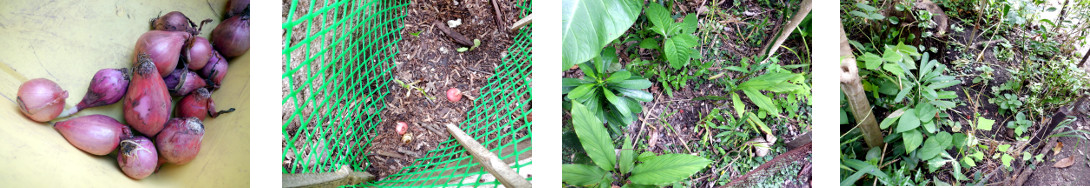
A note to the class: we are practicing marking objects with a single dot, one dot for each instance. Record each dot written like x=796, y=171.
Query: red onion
x=454, y=94
x=182, y=81
x=198, y=52
x=199, y=104
x=137, y=157
x=147, y=103
x=215, y=70
x=163, y=47
x=232, y=37
x=402, y=127
x=180, y=141
x=237, y=7
x=41, y=99
x=94, y=134
x=107, y=87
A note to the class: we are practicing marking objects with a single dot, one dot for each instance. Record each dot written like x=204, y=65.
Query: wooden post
x=852, y=87
x=503, y=173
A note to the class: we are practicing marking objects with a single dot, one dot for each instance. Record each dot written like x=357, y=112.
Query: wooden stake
x=519, y=24
x=852, y=86
x=488, y=160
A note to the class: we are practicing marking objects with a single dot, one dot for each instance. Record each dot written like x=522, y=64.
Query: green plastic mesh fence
x=339, y=61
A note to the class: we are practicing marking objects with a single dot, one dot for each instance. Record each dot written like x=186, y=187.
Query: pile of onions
x=41, y=99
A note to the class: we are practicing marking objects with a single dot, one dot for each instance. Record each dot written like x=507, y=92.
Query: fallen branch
x=499, y=14
x=488, y=160
x=343, y=176
x=454, y=35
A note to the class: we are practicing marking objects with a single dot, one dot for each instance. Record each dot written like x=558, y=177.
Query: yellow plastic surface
x=67, y=41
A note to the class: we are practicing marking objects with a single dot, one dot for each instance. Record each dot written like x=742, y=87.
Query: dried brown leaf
x=1065, y=162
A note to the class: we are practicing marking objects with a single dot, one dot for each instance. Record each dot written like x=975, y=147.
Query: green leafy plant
x=645, y=169
x=587, y=26
x=986, y=75
x=1020, y=125
x=677, y=38
x=1007, y=102
x=476, y=42
x=611, y=95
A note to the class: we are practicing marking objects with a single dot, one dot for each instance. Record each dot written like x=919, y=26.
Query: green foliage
x=1007, y=102
x=611, y=95
x=1020, y=125
x=651, y=170
x=677, y=38
x=587, y=26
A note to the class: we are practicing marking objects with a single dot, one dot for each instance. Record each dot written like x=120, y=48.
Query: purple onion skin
x=180, y=141
x=137, y=157
x=174, y=21
x=94, y=134
x=182, y=82
x=215, y=70
x=237, y=7
x=107, y=87
x=232, y=36
x=147, y=102
x=163, y=47
x=198, y=52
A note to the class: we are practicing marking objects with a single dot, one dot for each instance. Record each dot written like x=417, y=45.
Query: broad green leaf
x=688, y=25
x=984, y=123
x=929, y=127
x=659, y=16
x=926, y=111
x=593, y=136
x=618, y=102
x=1003, y=147
x=638, y=95
x=633, y=84
x=968, y=161
x=761, y=101
x=872, y=61
x=578, y=92
x=739, y=107
x=894, y=69
x=768, y=81
x=912, y=140
x=667, y=168
x=628, y=156
x=865, y=7
x=930, y=149
x=959, y=141
x=908, y=121
x=1007, y=160
x=678, y=49
x=645, y=156
x=589, y=25
x=619, y=76
x=582, y=175
x=892, y=118
x=650, y=43
x=943, y=139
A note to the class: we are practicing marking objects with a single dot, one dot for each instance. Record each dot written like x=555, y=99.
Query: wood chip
x=1065, y=162
x=1059, y=147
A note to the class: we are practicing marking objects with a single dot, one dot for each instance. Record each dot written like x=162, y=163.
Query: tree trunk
x=852, y=87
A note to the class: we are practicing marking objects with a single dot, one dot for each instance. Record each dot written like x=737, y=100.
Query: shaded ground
x=671, y=124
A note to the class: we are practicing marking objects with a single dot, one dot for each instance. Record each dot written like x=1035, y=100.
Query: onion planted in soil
x=147, y=103
x=215, y=70
x=182, y=81
x=198, y=52
x=107, y=87
x=163, y=47
x=232, y=36
x=137, y=157
x=199, y=104
x=41, y=99
x=180, y=140
x=94, y=134
x=402, y=127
